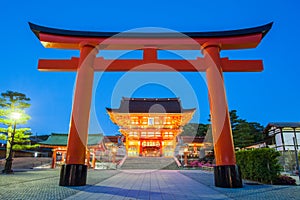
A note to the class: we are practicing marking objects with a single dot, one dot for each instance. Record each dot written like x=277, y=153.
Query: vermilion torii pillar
x=210, y=43
x=223, y=142
x=75, y=170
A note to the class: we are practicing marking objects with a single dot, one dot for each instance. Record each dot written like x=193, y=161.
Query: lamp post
x=8, y=164
x=296, y=155
x=181, y=154
x=114, y=152
x=185, y=150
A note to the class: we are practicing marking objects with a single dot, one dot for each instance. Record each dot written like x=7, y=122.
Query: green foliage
x=245, y=133
x=194, y=129
x=14, y=100
x=242, y=135
x=11, y=102
x=21, y=140
x=259, y=164
x=2, y=137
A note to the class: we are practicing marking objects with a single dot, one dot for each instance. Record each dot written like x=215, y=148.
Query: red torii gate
x=210, y=43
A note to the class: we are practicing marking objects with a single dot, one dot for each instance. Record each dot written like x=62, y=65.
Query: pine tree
x=245, y=133
x=195, y=129
x=12, y=103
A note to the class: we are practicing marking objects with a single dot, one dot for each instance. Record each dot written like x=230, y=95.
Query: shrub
x=284, y=180
x=194, y=163
x=259, y=164
x=197, y=163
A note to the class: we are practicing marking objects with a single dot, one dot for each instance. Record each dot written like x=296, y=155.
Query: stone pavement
x=145, y=184
x=43, y=184
x=135, y=184
x=250, y=190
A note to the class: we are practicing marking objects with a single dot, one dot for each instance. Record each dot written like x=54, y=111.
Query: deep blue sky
x=272, y=95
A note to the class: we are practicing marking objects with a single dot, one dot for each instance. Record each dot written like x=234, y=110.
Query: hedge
x=259, y=164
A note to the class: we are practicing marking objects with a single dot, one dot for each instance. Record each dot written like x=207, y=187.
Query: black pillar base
x=73, y=175
x=228, y=176
x=7, y=171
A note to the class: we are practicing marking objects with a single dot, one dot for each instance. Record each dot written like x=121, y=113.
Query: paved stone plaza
x=134, y=184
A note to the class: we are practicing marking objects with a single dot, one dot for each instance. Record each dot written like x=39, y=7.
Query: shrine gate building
x=150, y=125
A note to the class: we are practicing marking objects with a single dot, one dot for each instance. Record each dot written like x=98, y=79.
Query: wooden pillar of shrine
x=140, y=150
x=94, y=159
x=88, y=157
x=53, y=163
x=74, y=172
x=227, y=174
x=160, y=148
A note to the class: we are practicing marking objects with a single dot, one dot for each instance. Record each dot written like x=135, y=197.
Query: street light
x=186, y=151
x=296, y=155
x=114, y=152
x=8, y=164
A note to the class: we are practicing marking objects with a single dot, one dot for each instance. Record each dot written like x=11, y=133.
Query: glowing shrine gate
x=211, y=43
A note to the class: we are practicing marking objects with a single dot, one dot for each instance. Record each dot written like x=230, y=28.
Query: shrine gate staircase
x=149, y=163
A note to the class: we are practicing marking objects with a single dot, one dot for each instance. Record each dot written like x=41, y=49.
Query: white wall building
x=279, y=135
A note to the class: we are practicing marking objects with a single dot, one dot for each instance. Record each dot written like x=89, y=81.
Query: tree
x=202, y=130
x=195, y=129
x=257, y=130
x=12, y=113
x=234, y=119
x=245, y=133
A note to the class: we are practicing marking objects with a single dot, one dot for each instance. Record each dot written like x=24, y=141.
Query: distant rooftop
x=61, y=139
x=150, y=105
x=281, y=125
x=284, y=124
